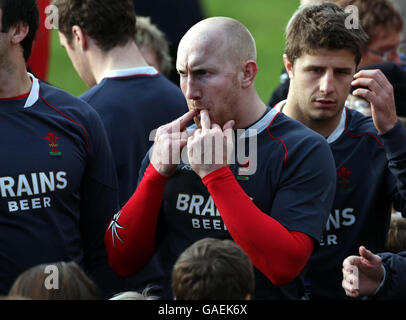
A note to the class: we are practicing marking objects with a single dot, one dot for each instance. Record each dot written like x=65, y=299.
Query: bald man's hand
x=362, y=275
x=168, y=144
x=211, y=147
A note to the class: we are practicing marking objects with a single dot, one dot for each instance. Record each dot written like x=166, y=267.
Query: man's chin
x=321, y=115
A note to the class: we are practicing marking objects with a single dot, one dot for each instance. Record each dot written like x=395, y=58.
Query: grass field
x=266, y=19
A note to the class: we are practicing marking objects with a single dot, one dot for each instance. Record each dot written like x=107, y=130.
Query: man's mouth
x=325, y=102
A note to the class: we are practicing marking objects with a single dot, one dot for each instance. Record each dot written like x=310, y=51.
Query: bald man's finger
x=180, y=123
x=228, y=125
x=205, y=120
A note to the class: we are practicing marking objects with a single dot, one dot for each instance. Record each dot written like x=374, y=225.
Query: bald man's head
x=224, y=36
x=216, y=64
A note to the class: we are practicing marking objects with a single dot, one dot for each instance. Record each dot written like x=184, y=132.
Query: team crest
x=343, y=180
x=52, y=139
x=243, y=170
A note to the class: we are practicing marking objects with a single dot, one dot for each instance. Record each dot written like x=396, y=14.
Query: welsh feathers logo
x=52, y=138
x=343, y=179
x=243, y=170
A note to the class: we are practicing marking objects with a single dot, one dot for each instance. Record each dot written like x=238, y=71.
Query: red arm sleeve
x=278, y=253
x=131, y=234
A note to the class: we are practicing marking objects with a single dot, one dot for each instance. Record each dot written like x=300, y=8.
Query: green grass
x=266, y=19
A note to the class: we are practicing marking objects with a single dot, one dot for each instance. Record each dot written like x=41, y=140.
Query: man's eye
x=201, y=73
x=316, y=70
x=182, y=74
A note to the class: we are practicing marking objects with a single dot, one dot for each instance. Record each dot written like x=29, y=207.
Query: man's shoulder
x=134, y=90
x=297, y=141
x=294, y=131
x=61, y=98
x=66, y=105
x=359, y=126
x=358, y=123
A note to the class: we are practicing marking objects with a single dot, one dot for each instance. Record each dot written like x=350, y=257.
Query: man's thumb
x=366, y=254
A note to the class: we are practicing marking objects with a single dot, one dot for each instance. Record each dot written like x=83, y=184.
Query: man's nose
x=327, y=82
x=192, y=89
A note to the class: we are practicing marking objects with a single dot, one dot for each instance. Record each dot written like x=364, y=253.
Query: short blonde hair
x=134, y=295
x=149, y=36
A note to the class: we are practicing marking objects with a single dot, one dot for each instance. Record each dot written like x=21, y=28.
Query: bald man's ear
x=288, y=66
x=249, y=72
x=79, y=37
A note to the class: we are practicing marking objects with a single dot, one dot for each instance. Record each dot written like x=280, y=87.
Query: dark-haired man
x=58, y=185
x=383, y=25
x=131, y=97
x=321, y=58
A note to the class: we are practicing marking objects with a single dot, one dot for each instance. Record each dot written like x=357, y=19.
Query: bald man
x=199, y=182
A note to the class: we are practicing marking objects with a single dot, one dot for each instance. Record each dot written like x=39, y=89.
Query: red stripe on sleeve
x=130, y=237
x=280, y=254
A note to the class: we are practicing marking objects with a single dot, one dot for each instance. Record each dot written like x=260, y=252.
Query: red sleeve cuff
x=223, y=172
x=153, y=175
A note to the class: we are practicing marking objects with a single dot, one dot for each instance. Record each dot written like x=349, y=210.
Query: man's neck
x=118, y=58
x=256, y=111
x=14, y=81
x=323, y=127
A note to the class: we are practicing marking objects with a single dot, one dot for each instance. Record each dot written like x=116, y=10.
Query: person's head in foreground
x=56, y=281
x=213, y=269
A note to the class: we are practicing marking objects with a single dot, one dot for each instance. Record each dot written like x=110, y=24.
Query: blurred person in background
x=153, y=45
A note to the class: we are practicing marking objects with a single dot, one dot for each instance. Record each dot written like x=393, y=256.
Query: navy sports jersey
x=132, y=103
x=292, y=163
x=367, y=184
x=58, y=184
x=394, y=286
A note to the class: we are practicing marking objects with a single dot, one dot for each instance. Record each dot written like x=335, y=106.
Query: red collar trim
x=22, y=96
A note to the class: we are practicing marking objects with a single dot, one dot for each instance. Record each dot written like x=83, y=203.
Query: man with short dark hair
x=383, y=25
x=321, y=59
x=58, y=187
x=213, y=269
x=131, y=97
